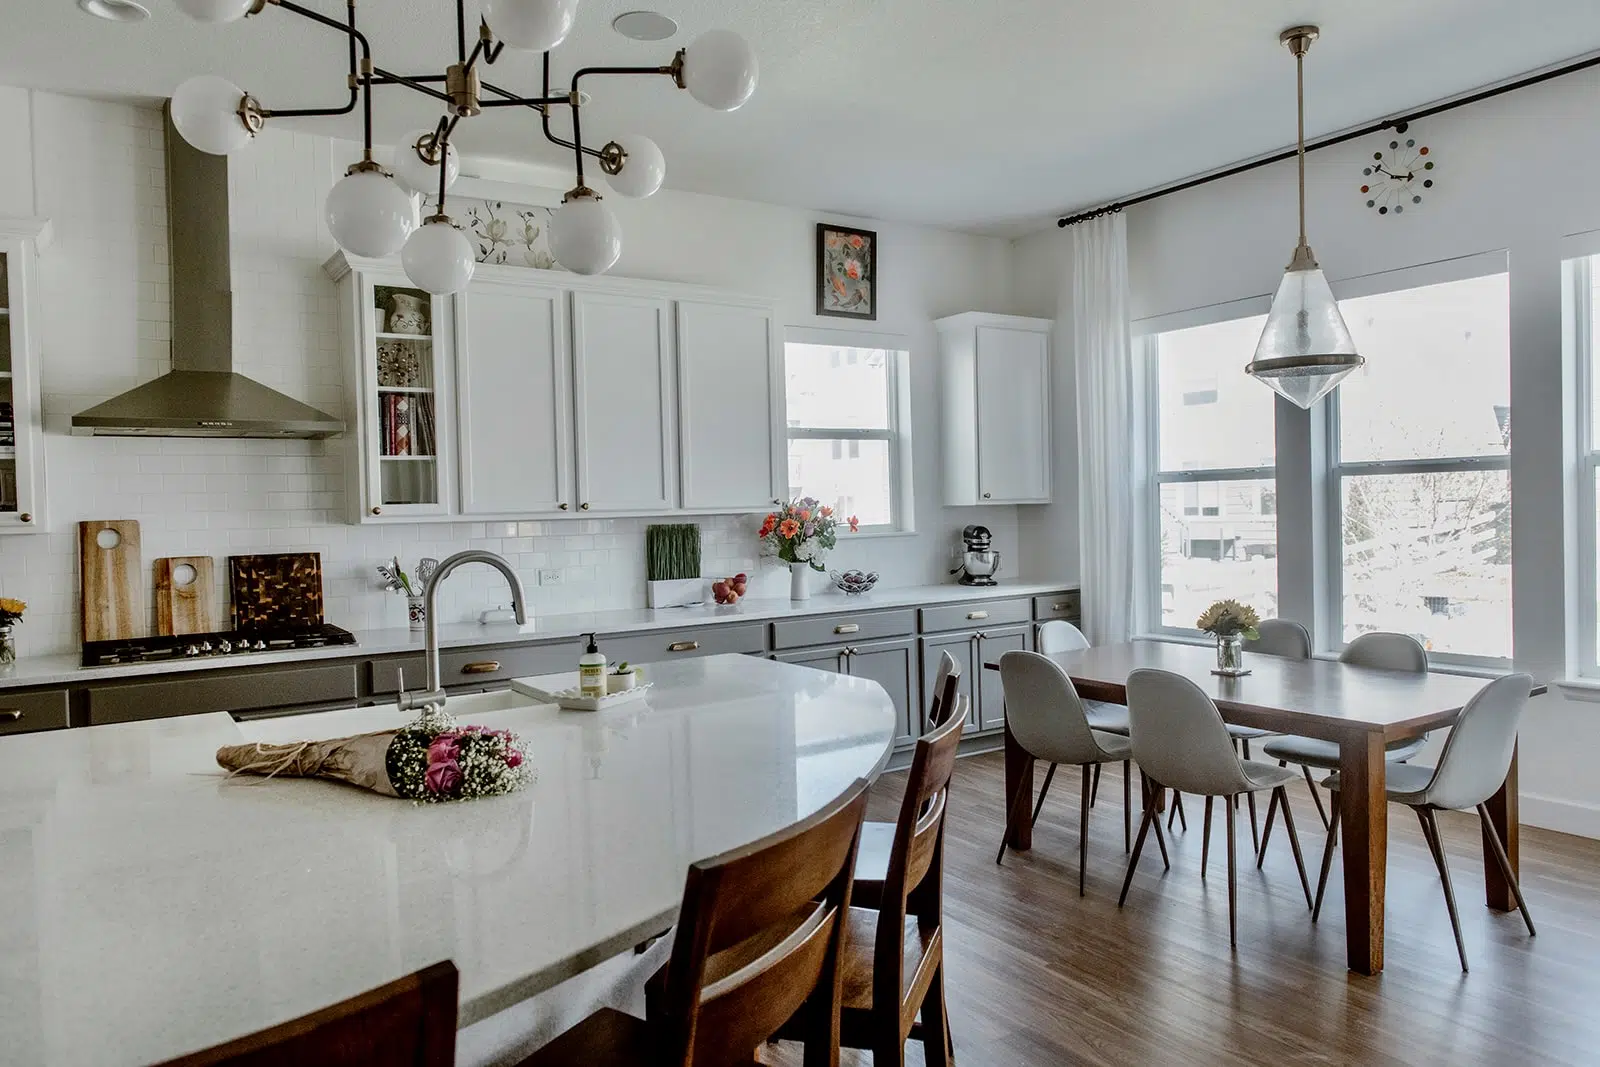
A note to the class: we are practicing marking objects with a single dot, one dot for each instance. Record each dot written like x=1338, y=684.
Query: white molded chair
x=1281, y=637
x=1058, y=635
x=1472, y=768
x=1380, y=651
x=1046, y=718
x=1181, y=742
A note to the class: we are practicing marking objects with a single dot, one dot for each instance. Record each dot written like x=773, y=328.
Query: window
x=846, y=397
x=1214, y=495
x=1582, y=311
x=1421, y=483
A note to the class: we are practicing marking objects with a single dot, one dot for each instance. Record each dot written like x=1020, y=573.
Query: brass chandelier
x=369, y=211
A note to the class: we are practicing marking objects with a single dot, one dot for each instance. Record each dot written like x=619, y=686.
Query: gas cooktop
x=205, y=646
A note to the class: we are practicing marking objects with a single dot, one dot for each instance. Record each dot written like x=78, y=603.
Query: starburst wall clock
x=1398, y=176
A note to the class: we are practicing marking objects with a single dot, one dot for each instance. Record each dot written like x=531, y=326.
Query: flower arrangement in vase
x=10, y=614
x=1230, y=622
x=800, y=533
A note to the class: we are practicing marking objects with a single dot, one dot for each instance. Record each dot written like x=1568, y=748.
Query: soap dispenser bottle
x=592, y=671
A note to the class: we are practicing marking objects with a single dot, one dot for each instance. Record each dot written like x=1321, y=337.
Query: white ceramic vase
x=799, y=581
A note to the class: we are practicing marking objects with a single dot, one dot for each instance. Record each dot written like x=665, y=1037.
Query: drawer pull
x=683, y=646
x=1061, y=605
x=10, y=714
x=847, y=628
x=977, y=614
x=488, y=666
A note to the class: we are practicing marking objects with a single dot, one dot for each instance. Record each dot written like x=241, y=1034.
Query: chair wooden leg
x=1049, y=776
x=1272, y=813
x=1205, y=839
x=1094, y=791
x=1233, y=878
x=1083, y=828
x=1327, y=854
x=1015, y=810
x=1430, y=830
x=1127, y=806
x=1255, y=834
x=1145, y=821
x=1282, y=796
x=1316, y=795
x=936, y=1051
x=1161, y=839
x=1491, y=835
x=1177, y=812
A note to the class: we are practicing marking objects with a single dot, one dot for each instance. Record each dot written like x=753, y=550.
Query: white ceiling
x=985, y=115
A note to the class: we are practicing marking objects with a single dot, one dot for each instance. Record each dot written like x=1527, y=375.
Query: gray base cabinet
x=991, y=645
x=892, y=664
x=964, y=648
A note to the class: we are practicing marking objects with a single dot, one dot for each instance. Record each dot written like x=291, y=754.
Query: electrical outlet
x=550, y=576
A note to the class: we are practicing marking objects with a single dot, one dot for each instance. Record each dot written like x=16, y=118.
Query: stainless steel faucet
x=434, y=694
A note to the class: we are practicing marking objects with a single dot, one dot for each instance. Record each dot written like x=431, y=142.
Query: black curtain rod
x=1398, y=124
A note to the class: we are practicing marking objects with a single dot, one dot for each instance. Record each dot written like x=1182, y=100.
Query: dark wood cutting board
x=184, y=608
x=281, y=591
x=113, y=580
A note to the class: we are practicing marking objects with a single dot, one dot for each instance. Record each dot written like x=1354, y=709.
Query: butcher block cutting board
x=184, y=600
x=277, y=592
x=113, y=580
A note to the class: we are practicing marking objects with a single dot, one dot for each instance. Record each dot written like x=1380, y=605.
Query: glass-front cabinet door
x=21, y=459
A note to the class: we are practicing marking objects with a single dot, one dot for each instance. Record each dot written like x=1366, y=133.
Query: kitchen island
x=155, y=907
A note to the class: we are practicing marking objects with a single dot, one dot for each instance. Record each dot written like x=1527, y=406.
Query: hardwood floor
x=1038, y=975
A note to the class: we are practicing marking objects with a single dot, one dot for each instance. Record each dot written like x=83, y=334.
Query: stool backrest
x=775, y=910
x=1386, y=651
x=945, y=683
x=1477, y=754
x=411, y=1022
x=1178, y=736
x=1281, y=637
x=1059, y=635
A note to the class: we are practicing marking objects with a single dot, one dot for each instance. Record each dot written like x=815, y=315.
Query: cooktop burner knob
x=224, y=646
x=261, y=646
x=191, y=650
x=205, y=647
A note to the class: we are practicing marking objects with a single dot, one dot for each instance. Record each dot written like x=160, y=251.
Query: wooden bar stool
x=411, y=1022
x=758, y=945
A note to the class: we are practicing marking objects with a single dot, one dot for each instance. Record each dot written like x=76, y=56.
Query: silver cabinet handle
x=683, y=646
x=977, y=614
x=10, y=714
x=1060, y=605
x=847, y=628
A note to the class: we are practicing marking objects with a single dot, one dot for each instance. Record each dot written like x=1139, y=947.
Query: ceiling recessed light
x=114, y=10
x=640, y=25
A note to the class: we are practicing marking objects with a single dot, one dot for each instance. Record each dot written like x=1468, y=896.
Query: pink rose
x=443, y=778
x=513, y=758
x=443, y=750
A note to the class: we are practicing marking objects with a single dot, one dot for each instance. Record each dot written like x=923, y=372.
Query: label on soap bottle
x=592, y=679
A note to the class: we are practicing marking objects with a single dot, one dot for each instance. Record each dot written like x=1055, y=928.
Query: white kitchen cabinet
x=399, y=394
x=731, y=406
x=625, y=402
x=515, y=385
x=22, y=486
x=995, y=375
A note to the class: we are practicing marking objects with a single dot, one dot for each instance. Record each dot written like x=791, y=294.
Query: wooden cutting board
x=184, y=608
x=281, y=591
x=113, y=580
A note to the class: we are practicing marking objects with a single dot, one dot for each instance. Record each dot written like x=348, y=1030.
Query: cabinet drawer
x=852, y=628
x=1066, y=605
x=247, y=690
x=976, y=615
x=24, y=712
x=475, y=666
x=663, y=645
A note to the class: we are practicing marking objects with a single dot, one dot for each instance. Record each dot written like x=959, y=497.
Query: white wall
x=96, y=170
x=1515, y=174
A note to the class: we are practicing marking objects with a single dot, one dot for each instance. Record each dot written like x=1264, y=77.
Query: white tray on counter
x=573, y=699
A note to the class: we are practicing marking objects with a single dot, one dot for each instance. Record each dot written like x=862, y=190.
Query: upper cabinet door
x=625, y=402
x=21, y=423
x=515, y=393
x=730, y=407
x=1013, y=399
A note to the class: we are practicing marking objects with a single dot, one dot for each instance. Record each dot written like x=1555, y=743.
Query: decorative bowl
x=853, y=583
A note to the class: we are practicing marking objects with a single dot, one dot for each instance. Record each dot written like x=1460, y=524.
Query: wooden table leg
x=1503, y=813
x=1364, y=817
x=1019, y=775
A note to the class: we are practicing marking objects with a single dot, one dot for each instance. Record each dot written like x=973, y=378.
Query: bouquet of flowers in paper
x=432, y=759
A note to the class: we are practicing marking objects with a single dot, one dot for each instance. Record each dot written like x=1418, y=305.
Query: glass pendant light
x=585, y=236
x=1305, y=349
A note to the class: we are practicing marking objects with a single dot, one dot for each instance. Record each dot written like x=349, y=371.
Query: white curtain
x=1103, y=358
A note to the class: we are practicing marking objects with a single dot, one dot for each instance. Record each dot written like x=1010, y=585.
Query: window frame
x=897, y=435
x=1577, y=276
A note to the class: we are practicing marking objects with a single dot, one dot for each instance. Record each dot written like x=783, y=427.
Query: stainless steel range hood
x=203, y=396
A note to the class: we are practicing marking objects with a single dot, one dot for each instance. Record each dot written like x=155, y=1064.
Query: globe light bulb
x=416, y=174
x=585, y=236
x=205, y=109
x=438, y=257
x=643, y=169
x=534, y=25
x=368, y=214
x=216, y=10
x=720, y=69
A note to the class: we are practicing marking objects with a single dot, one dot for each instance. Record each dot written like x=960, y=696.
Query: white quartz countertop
x=64, y=669
x=153, y=907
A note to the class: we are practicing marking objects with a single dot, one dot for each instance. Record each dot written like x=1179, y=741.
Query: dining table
x=155, y=906
x=1361, y=709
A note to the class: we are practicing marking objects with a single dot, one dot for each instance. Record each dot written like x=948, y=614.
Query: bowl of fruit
x=854, y=583
x=728, y=590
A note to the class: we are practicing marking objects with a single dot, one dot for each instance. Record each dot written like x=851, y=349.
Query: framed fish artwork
x=847, y=272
